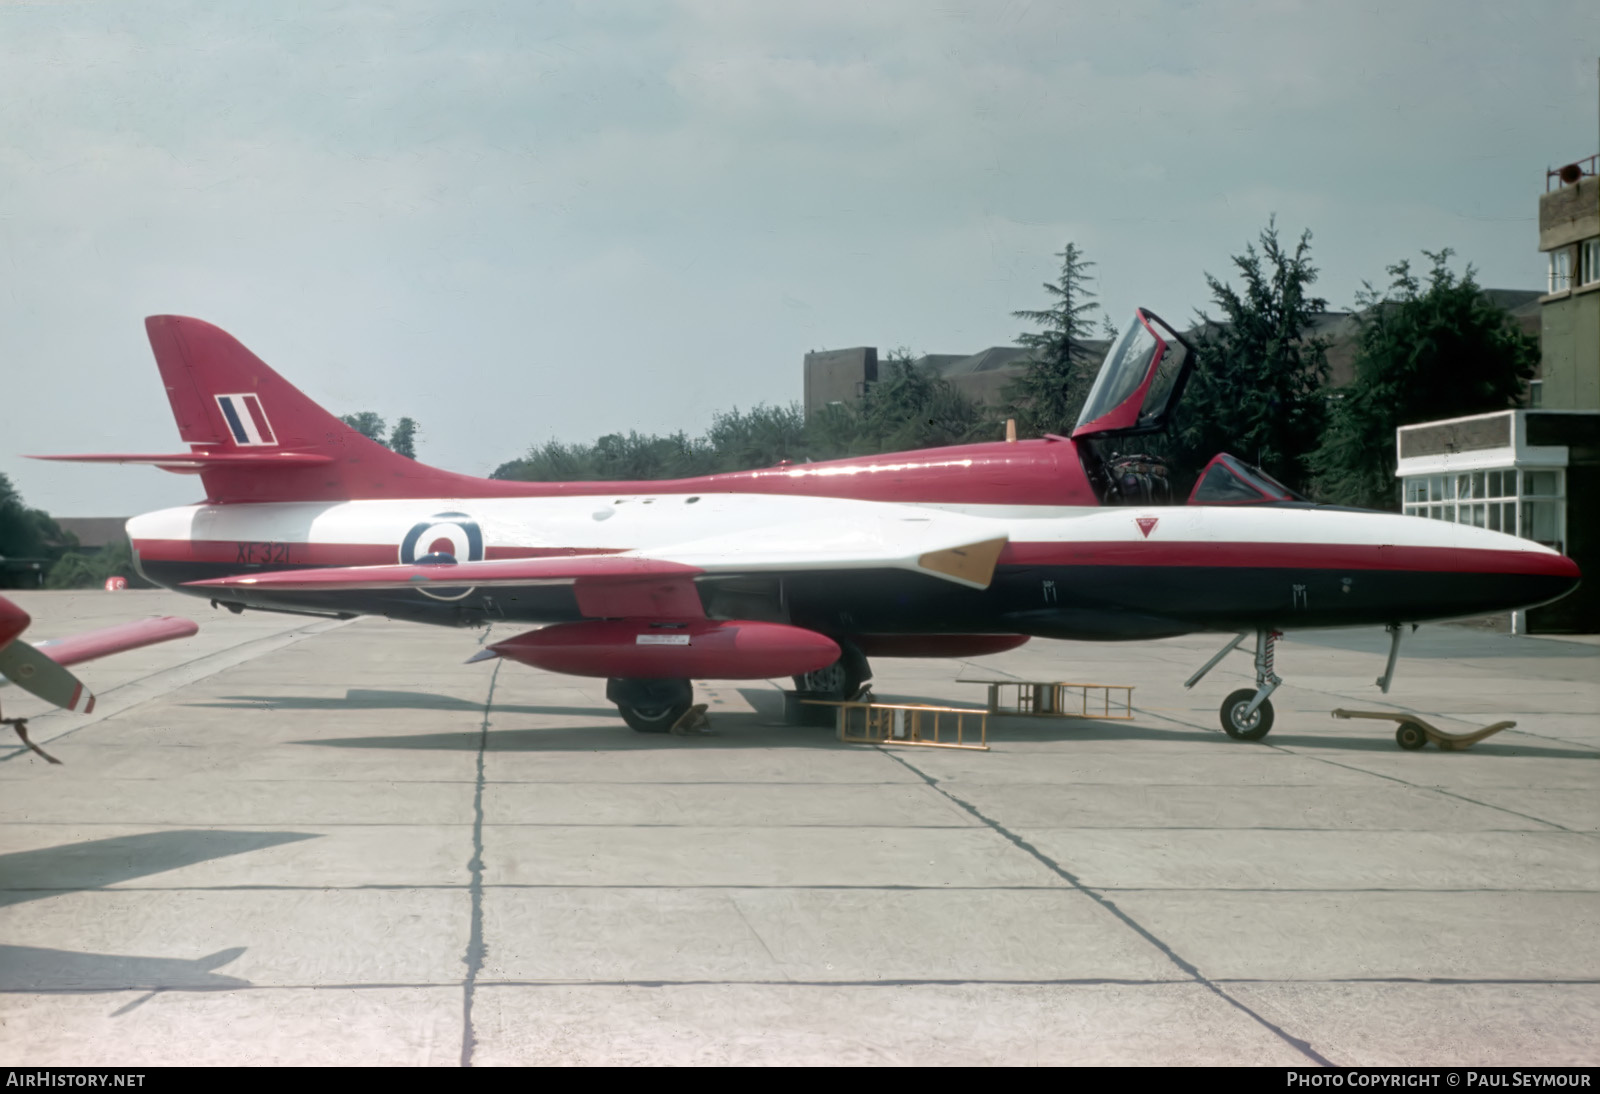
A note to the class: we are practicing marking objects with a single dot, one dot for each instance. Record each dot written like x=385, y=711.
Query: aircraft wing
x=946, y=546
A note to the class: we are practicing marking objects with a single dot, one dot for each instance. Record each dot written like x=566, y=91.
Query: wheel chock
x=1415, y=732
x=693, y=722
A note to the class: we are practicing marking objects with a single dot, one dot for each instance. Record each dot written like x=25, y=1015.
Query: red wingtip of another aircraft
x=13, y=621
x=117, y=639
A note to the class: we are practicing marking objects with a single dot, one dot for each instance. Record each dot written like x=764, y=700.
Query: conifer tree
x=1050, y=393
x=1256, y=388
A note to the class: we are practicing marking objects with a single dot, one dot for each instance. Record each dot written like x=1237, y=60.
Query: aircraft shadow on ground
x=364, y=699
x=1004, y=727
x=34, y=968
x=1491, y=747
x=1013, y=728
x=765, y=728
x=727, y=731
x=95, y=864
x=762, y=726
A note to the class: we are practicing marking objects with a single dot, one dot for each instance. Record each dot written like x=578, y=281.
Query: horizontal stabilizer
x=192, y=463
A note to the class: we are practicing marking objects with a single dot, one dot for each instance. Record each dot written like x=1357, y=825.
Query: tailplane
x=256, y=437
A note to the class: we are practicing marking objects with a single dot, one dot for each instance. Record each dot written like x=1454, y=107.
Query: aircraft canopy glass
x=1142, y=374
x=1228, y=480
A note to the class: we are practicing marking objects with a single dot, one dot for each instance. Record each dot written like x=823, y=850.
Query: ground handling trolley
x=1414, y=732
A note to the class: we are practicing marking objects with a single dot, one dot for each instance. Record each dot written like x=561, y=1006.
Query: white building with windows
x=1514, y=471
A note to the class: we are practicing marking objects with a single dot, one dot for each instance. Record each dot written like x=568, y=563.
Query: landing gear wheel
x=650, y=706
x=840, y=680
x=1239, y=727
x=1410, y=736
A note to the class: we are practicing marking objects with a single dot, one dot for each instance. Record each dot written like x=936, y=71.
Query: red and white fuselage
x=950, y=550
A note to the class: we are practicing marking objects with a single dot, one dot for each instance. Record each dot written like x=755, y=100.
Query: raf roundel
x=443, y=538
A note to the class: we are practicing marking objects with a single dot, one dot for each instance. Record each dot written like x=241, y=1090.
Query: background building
x=1535, y=473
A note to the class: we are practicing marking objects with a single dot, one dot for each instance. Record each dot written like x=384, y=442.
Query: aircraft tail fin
x=256, y=437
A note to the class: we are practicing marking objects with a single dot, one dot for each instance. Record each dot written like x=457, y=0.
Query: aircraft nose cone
x=1525, y=576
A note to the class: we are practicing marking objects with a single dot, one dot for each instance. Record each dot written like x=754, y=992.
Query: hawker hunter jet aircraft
x=42, y=670
x=803, y=571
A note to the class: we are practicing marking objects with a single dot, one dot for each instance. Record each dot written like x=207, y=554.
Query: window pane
x=1477, y=484
x=1416, y=490
x=1540, y=484
x=1494, y=484
x=1447, y=512
x=1541, y=521
x=1494, y=518
x=1436, y=488
x=1478, y=516
x=1561, y=269
x=1463, y=486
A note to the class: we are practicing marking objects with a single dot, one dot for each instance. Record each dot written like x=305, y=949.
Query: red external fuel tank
x=718, y=650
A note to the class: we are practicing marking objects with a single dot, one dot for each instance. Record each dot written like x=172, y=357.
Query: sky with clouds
x=524, y=221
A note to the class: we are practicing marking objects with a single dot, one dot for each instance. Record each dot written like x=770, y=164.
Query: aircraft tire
x=1410, y=736
x=1235, y=725
x=650, y=706
x=840, y=680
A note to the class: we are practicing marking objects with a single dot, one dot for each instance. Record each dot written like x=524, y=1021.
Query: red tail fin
x=229, y=403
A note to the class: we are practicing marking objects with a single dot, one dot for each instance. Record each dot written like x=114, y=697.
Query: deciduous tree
x=1424, y=352
x=369, y=425
x=404, y=438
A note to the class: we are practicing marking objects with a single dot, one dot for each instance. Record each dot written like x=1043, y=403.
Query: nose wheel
x=1246, y=714
x=1242, y=723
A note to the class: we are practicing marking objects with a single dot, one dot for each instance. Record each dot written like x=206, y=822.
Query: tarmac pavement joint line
x=473, y=958
x=125, y=697
x=1303, y=1047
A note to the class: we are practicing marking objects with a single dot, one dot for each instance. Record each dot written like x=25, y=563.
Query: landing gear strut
x=650, y=706
x=1246, y=714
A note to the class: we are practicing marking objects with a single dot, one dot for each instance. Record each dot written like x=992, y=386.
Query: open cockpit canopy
x=1139, y=382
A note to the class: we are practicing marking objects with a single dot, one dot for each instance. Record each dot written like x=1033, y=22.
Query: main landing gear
x=1246, y=714
x=650, y=706
x=841, y=680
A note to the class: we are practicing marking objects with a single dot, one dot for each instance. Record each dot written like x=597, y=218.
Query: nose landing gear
x=1247, y=714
